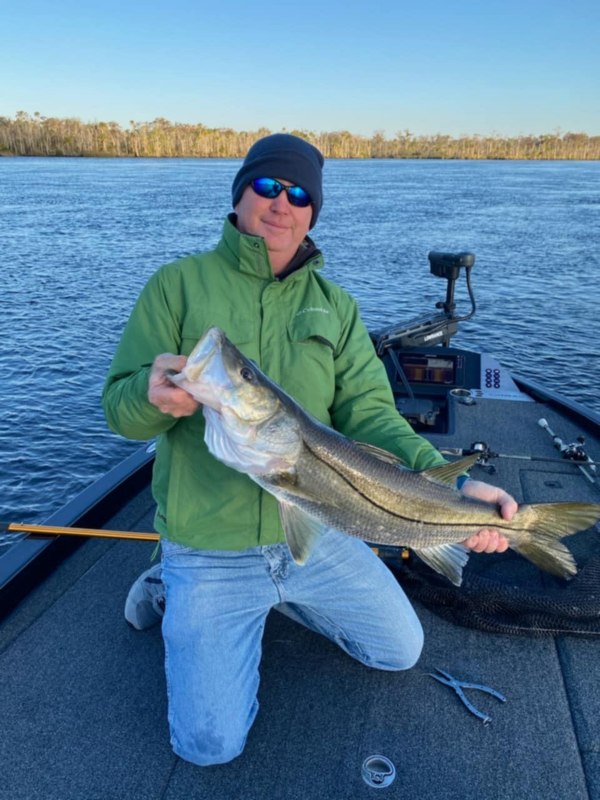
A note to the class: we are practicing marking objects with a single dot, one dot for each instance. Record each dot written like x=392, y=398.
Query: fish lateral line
x=398, y=515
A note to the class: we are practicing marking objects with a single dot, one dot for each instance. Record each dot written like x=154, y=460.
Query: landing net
x=505, y=594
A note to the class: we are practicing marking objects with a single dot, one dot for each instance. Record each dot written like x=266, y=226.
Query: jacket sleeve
x=364, y=407
x=153, y=328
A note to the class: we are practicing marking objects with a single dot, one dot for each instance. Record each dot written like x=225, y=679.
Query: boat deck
x=84, y=707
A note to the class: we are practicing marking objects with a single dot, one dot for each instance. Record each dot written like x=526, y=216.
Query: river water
x=80, y=237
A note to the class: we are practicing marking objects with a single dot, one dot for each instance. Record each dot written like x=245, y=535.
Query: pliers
x=458, y=686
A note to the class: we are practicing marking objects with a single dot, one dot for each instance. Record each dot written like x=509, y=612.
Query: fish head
x=219, y=376
x=248, y=424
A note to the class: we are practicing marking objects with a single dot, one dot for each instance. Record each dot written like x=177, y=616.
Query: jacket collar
x=249, y=253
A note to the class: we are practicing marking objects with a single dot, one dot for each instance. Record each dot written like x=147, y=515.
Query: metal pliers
x=458, y=686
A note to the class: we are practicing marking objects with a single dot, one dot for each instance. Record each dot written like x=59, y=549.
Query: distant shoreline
x=329, y=158
x=35, y=135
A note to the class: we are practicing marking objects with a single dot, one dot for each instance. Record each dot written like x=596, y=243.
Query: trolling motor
x=438, y=329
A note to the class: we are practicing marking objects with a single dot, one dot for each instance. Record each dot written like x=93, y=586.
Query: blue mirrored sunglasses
x=269, y=187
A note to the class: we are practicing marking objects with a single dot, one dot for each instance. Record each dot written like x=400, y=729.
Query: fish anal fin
x=447, y=474
x=300, y=530
x=448, y=559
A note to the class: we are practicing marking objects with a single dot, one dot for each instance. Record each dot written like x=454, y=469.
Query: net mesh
x=506, y=594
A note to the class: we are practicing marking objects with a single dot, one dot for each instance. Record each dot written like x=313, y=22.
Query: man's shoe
x=145, y=604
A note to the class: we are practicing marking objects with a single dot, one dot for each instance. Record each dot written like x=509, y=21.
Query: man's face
x=282, y=225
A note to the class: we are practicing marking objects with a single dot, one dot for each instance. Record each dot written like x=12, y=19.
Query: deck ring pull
x=378, y=772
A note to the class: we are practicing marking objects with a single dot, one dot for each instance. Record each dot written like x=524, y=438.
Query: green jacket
x=303, y=331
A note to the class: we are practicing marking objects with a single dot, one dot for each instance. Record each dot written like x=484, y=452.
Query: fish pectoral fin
x=447, y=474
x=300, y=531
x=448, y=559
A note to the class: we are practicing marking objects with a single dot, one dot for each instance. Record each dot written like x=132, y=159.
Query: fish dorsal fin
x=449, y=559
x=380, y=453
x=300, y=530
x=448, y=473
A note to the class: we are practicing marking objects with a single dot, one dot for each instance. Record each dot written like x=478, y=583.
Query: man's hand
x=489, y=540
x=163, y=394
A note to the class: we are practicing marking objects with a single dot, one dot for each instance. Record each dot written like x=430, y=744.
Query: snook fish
x=324, y=479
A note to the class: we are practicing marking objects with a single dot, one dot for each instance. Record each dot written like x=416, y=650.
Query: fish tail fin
x=549, y=554
x=543, y=526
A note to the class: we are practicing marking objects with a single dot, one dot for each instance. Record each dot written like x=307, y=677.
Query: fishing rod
x=574, y=452
x=11, y=532
x=482, y=447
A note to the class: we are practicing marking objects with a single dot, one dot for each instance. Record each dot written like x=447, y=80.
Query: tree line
x=35, y=135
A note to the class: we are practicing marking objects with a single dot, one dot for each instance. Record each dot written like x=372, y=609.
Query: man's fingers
x=488, y=540
x=163, y=393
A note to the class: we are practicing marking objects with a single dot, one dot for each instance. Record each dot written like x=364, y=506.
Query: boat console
x=427, y=375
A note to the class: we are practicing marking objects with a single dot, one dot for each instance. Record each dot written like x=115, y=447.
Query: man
x=225, y=563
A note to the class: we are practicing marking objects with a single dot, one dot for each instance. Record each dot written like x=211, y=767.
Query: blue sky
x=504, y=67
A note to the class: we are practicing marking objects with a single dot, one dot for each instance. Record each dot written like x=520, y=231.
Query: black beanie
x=284, y=156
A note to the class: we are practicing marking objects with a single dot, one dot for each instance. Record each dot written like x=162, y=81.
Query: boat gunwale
x=32, y=559
x=574, y=410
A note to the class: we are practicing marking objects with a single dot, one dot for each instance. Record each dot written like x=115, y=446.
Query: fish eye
x=247, y=374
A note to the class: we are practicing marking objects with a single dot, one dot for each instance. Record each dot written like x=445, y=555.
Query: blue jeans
x=217, y=603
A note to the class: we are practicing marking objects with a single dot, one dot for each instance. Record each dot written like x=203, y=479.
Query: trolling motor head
x=447, y=265
x=439, y=328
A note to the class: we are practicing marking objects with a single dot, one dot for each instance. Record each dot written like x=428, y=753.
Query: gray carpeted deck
x=84, y=710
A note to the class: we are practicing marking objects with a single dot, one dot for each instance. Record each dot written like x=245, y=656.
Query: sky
x=453, y=67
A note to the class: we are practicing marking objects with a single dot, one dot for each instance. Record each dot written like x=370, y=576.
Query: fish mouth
x=210, y=344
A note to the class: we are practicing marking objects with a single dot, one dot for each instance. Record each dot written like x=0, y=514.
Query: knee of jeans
x=411, y=655
x=404, y=656
x=206, y=748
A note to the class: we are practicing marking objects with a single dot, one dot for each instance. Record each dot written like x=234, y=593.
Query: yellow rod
x=17, y=527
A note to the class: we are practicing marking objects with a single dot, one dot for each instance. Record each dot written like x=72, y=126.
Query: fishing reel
x=484, y=456
x=480, y=448
x=575, y=451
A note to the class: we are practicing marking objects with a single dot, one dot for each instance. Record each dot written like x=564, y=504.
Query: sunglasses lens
x=266, y=187
x=298, y=197
x=269, y=187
